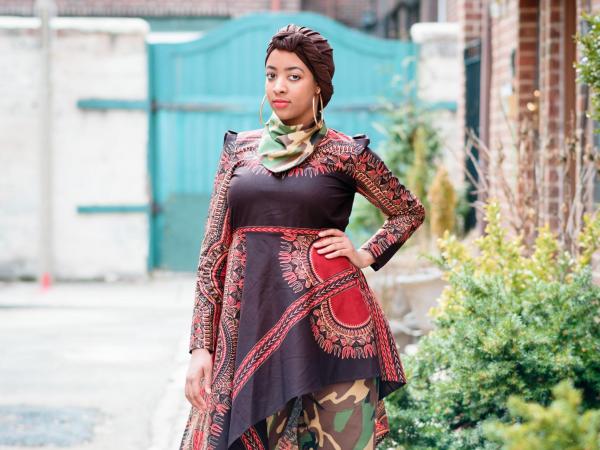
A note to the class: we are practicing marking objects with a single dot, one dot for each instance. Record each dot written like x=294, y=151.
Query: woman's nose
x=279, y=85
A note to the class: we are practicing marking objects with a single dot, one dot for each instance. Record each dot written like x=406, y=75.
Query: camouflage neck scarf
x=284, y=146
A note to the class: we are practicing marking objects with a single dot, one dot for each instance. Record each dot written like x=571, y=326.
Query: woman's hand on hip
x=334, y=243
x=198, y=378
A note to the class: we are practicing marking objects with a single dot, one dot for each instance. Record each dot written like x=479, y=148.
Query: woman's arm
x=404, y=212
x=210, y=272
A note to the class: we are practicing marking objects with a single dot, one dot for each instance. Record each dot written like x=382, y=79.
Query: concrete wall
x=99, y=157
x=439, y=75
x=154, y=8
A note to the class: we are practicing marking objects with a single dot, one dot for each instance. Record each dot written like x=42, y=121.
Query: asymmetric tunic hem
x=300, y=393
x=281, y=319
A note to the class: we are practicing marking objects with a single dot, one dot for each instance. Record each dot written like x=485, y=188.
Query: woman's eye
x=270, y=76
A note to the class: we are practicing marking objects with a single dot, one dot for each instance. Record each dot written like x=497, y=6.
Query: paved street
x=94, y=365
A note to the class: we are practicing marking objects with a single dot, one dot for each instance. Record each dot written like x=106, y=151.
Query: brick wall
x=532, y=49
x=582, y=5
x=159, y=8
x=505, y=34
x=527, y=68
x=517, y=68
x=452, y=10
x=552, y=100
x=354, y=12
x=349, y=12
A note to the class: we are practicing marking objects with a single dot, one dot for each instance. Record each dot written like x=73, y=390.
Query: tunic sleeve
x=404, y=211
x=211, y=269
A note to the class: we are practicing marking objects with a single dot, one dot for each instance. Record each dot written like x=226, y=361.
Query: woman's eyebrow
x=287, y=68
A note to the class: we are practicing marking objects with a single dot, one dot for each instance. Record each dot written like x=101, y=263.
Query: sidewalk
x=94, y=365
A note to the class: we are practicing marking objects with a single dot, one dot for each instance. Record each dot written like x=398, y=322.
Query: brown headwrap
x=314, y=51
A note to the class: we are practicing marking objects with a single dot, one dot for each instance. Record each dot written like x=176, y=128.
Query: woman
x=290, y=348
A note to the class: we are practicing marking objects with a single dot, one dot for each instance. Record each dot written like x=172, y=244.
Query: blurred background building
x=384, y=18
x=140, y=93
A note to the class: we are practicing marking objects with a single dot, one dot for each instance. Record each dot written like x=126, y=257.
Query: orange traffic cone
x=46, y=281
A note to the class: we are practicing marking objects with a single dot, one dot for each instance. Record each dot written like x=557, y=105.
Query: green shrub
x=588, y=68
x=410, y=149
x=562, y=425
x=507, y=324
x=442, y=198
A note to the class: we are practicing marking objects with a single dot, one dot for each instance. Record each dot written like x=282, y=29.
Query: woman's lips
x=280, y=104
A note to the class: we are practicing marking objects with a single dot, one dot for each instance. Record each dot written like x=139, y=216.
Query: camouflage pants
x=340, y=416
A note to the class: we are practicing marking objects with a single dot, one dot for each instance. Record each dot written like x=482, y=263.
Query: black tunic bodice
x=280, y=319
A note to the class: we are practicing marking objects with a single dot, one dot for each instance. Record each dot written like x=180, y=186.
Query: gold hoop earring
x=260, y=110
x=314, y=112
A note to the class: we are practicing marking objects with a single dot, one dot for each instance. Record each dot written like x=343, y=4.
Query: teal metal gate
x=200, y=89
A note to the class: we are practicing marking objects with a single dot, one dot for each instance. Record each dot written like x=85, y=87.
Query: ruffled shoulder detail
x=347, y=144
x=229, y=151
x=247, y=137
x=362, y=141
x=230, y=137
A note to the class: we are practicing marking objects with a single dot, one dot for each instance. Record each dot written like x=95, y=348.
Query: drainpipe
x=484, y=97
x=45, y=10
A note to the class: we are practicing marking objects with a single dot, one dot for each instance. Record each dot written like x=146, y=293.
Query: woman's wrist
x=366, y=258
x=201, y=350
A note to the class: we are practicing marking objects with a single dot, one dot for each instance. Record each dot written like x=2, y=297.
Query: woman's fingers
x=331, y=247
x=337, y=240
x=341, y=244
x=207, y=378
x=329, y=240
x=189, y=395
x=199, y=378
x=336, y=253
x=197, y=396
x=331, y=231
x=193, y=390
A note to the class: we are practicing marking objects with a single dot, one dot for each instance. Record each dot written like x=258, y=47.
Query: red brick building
x=385, y=18
x=525, y=50
x=527, y=47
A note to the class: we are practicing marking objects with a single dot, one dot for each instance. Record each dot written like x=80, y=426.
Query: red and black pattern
x=213, y=253
x=390, y=362
x=405, y=213
x=223, y=364
x=252, y=440
x=281, y=319
x=294, y=265
x=204, y=427
x=382, y=426
x=333, y=153
x=294, y=313
x=342, y=325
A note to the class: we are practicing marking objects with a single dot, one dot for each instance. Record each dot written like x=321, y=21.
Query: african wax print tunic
x=280, y=319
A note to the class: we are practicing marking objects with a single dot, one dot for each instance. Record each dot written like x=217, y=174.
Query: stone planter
x=406, y=299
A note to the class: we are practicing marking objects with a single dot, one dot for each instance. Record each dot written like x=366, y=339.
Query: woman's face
x=288, y=79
